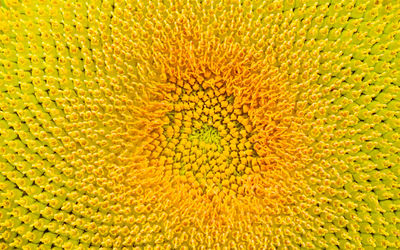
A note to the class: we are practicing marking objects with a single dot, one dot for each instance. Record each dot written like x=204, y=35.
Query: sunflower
x=199, y=124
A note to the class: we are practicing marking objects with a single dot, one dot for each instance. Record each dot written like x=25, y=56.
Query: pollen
x=189, y=124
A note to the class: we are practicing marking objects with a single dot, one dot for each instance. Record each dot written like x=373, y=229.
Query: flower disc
x=200, y=124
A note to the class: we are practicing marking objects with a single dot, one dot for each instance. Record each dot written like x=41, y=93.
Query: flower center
x=207, y=140
x=206, y=135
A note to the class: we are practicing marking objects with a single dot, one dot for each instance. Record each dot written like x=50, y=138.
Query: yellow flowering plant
x=199, y=124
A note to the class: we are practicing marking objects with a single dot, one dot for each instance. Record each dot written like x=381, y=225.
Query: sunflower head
x=185, y=124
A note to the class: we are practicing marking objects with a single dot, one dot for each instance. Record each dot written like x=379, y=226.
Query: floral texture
x=200, y=124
